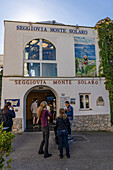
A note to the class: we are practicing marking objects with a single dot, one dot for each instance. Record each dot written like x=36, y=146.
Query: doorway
x=42, y=94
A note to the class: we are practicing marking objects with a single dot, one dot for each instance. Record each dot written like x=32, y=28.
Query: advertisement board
x=85, y=59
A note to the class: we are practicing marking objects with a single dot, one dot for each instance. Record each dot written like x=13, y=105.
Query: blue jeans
x=71, y=122
x=63, y=137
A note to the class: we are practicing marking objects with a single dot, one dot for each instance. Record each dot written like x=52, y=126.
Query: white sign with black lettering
x=63, y=99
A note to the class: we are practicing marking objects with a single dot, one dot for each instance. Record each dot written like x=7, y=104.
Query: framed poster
x=72, y=101
x=85, y=58
x=63, y=99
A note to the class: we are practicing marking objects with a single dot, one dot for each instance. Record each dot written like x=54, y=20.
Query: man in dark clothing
x=69, y=113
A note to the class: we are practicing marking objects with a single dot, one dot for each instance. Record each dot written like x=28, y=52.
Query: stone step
x=38, y=129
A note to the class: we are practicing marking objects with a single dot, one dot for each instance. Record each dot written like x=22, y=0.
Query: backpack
x=3, y=119
x=68, y=126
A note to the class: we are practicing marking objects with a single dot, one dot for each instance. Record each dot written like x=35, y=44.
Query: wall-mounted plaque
x=100, y=101
x=14, y=102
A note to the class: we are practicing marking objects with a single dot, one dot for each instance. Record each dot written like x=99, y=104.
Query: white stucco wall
x=12, y=90
x=16, y=40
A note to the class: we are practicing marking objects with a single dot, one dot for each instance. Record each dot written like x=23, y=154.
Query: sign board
x=14, y=102
x=100, y=103
x=32, y=28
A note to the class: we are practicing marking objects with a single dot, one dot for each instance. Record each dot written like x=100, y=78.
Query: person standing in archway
x=54, y=109
x=34, y=112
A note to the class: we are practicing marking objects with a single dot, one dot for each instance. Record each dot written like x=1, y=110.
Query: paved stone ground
x=89, y=151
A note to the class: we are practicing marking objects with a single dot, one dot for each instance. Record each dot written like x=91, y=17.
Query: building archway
x=43, y=93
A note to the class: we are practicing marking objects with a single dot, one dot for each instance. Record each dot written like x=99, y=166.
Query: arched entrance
x=43, y=93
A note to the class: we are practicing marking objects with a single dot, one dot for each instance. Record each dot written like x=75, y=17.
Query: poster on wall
x=63, y=100
x=85, y=59
x=72, y=101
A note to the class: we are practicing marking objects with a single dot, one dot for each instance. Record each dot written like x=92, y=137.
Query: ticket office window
x=40, y=59
x=85, y=101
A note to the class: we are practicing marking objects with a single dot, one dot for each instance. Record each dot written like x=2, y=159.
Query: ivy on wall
x=105, y=34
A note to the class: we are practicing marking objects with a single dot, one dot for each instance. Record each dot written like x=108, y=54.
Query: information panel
x=14, y=102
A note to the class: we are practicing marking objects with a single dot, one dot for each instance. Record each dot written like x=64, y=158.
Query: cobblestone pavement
x=89, y=151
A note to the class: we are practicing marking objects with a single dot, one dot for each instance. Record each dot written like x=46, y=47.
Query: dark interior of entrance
x=41, y=95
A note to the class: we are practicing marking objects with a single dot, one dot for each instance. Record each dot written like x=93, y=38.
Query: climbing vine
x=105, y=34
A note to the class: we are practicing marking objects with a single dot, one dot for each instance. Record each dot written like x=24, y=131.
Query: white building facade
x=54, y=61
